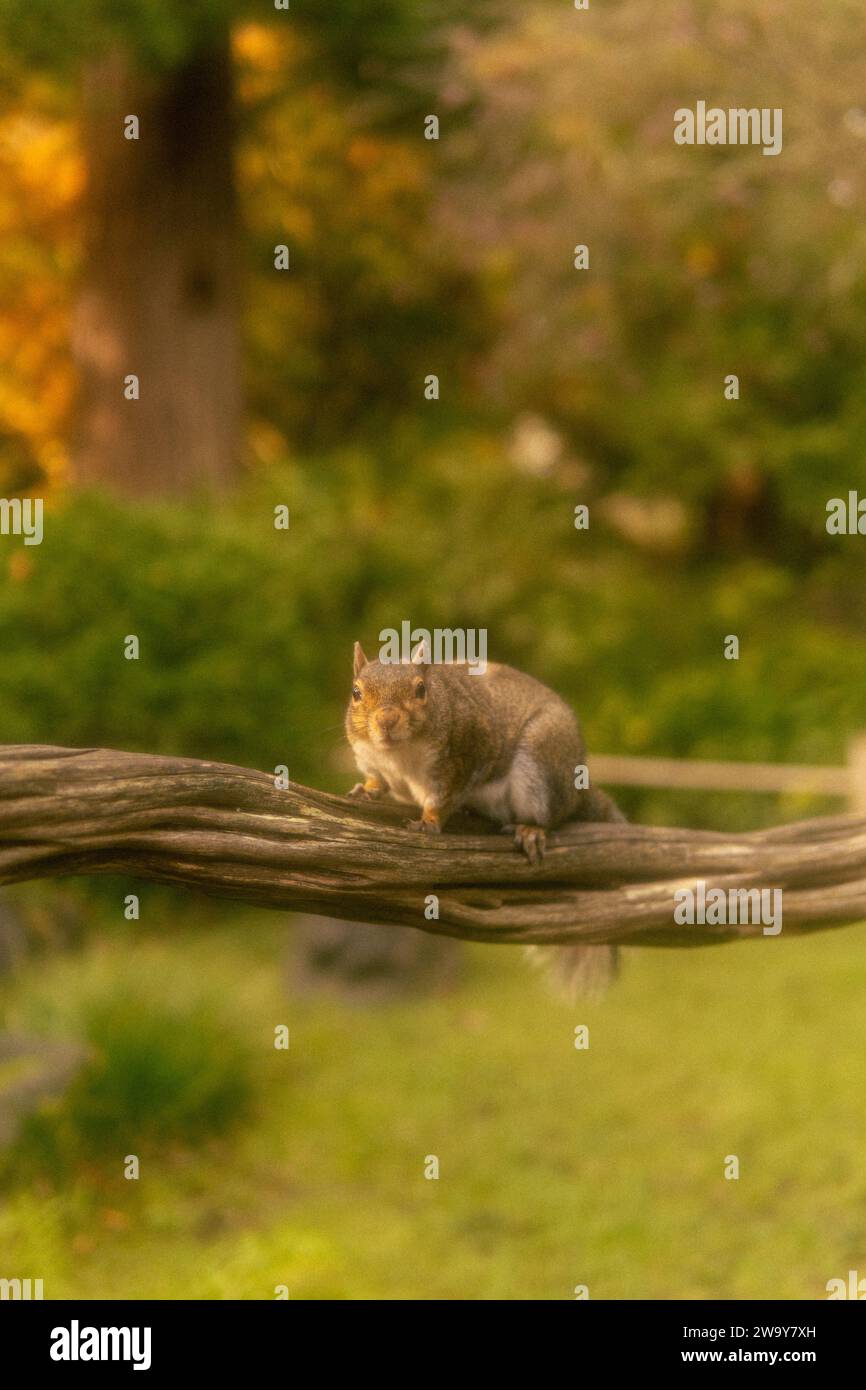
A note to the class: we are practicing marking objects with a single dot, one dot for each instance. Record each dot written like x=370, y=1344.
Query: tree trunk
x=159, y=294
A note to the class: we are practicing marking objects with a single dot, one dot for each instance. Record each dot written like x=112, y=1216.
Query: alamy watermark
x=717, y=907
x=738, y=125
x=77, y=1343
x=22, y=516
x=846, y=516
x=442, y=646
x=855, y=1287
x=23, y=1289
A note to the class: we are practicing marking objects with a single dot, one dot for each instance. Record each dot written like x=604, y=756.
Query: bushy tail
x=577, y=972
x=583, y=972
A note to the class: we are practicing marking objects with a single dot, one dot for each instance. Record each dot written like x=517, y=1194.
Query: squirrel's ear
x=420, y=656
x=359, y=660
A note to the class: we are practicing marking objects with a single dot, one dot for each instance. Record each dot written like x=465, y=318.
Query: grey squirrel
x=500, y=743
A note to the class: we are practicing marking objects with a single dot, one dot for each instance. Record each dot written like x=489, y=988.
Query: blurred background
x=299, y=378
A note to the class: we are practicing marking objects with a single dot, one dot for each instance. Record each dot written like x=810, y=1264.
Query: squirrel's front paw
x=363, y=792
x=429, y=827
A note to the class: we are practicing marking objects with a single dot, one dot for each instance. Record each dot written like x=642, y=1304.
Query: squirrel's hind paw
x=531, y=839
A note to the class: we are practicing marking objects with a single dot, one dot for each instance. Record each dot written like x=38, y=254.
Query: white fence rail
x=687, y=774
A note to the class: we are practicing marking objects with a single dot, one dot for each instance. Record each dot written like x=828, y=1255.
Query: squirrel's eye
x=420, y=690
x=356, y=692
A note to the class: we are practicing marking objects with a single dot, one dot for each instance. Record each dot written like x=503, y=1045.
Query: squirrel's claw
x=531, y=839
x=430, y=827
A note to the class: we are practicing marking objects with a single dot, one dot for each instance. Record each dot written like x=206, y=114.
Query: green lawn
x=558, y=1167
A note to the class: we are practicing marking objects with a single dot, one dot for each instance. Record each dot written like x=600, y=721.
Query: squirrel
x=498, y=742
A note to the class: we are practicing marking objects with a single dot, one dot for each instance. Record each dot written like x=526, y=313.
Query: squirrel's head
x=388, y=702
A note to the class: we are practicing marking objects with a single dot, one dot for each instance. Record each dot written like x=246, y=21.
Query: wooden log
x=230, y=832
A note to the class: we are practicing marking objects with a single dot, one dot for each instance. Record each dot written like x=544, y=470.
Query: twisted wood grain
x=228, y=831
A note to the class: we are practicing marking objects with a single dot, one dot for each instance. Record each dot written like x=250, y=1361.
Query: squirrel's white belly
x=519, y=795
x=404, y=766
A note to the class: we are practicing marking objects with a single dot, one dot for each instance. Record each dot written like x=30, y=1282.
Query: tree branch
x=228, y=831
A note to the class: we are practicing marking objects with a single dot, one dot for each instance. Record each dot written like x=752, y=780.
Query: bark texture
x=159, y=294
x=229, y=832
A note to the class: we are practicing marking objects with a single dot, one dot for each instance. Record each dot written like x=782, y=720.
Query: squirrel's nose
x=387, y=718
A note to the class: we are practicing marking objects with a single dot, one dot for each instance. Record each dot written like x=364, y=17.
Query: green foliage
x=158, y=1073
x=246, y=631
x=455, y=256
x=703, y=261
x=557, y=1166
x=160, y=33
x=361, y=44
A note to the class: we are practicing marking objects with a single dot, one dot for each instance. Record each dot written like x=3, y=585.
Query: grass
x=558, y=1167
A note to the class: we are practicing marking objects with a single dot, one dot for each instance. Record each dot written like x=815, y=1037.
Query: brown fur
x=500, y=743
